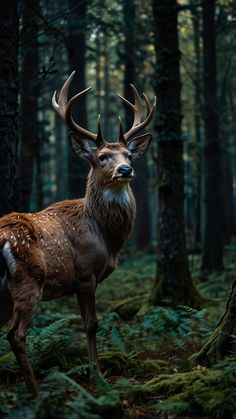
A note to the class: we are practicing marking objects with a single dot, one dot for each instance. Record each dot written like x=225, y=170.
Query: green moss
x=148, y=366
x=121, y=363
x=129, y=307
x=199, y=391
x=171, y=383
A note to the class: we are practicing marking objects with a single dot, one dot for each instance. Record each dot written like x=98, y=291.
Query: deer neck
x=113, y=210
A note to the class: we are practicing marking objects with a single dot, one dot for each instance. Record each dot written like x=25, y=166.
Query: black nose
x=125, y=169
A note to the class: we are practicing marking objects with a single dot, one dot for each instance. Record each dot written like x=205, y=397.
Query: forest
x=166, y=333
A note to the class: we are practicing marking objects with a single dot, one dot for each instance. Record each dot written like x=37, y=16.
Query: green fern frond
x=116, y=339
x=8, y=400
x=78, y=370
x=187, y=309
x=101, y=385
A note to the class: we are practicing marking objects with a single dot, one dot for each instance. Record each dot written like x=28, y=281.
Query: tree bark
x=233, y=139
x=221, y=343
x=173, y=284
x=98, y=72
x=213, y=242
x=227, y=176
x=29, y=102
x=142, y=230
x=76, y=46
x=129, y=59
x=39, y=180
x=106, y=86
x=8, y=106
x=197, y=121
x=61, y=191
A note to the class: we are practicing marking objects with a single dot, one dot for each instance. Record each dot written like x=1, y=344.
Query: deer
x=71, y=246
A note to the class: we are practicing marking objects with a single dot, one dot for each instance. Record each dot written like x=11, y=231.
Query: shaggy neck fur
x=114, y=211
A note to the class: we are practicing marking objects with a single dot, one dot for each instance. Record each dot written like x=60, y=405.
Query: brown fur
x=67, y=248
x=71, y=246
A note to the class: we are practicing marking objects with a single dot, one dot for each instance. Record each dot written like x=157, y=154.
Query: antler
x=63, y=108
x=137, y=109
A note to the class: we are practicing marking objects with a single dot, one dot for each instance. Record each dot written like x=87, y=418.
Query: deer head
x=111, y=162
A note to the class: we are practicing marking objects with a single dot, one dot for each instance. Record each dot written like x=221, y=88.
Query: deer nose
x=125, y=169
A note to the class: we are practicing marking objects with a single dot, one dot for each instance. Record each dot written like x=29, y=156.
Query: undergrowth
x=145, y=360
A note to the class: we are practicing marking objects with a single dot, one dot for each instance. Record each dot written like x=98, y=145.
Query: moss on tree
x=221, y=342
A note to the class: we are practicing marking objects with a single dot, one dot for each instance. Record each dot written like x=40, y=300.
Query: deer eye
x=130, y=157
x=102, y=157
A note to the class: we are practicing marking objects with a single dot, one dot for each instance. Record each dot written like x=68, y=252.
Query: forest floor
x=144, y=356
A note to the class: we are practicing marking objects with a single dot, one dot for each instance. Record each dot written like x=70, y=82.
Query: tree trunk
x=39, y=180
x=29, y=102
x=213, y=243
x=61, y=191
x=197, y=121
x=98, y=72
x=227, y=176
x=221, y=343
x=142, y=230
x=8, y=106
x=173, y=284
x=129, y=59
x=233, y=139
x=76, y=45
x=106, y=86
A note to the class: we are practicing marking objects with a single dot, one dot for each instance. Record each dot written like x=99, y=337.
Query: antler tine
x=63, y=108
x=60, y=107
x=148, y=104
x=135, y=129
x=137, y=109
x=126, y=102
x=70, y=121
x=63, y=95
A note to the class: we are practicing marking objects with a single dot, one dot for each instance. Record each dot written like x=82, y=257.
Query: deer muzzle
x=123, y=173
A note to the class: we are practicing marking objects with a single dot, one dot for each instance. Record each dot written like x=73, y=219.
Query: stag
x=71, y=246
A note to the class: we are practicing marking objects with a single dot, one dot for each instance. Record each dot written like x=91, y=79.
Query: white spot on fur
x=121, y=197
x=9, y=258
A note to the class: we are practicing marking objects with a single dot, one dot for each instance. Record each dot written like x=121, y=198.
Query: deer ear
x=138, y=145
x=82, y=147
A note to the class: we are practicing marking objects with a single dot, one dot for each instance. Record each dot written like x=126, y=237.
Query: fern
x=56, y=344
x=8, y=400
x=86, y=405
x=8, y=365
x=78, y=371
x=24, y=412
x=187, y=309
x=4, y=345
x=101, y=385
x=176, y=406
x=116, y=339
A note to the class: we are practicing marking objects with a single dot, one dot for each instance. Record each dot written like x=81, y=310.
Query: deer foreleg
x=86, y=299
x=24, y=309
